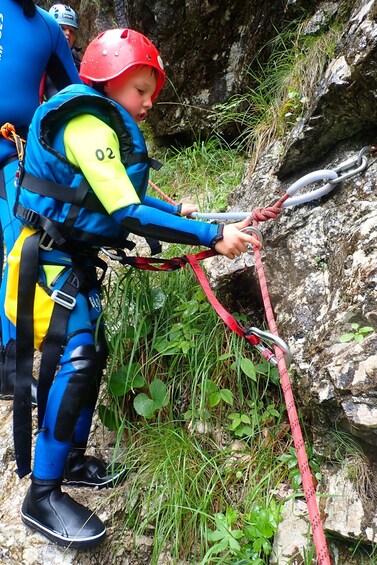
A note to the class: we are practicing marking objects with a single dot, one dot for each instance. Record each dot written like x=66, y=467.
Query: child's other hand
x=234, y=240
x=187, y=209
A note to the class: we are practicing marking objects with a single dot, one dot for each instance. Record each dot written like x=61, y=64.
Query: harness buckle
x=30, y=216
x=46, y=246
x=63, y=299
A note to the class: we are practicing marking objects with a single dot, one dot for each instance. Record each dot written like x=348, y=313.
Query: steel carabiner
x=275, y=340
x=254, y=231
x=360, y=162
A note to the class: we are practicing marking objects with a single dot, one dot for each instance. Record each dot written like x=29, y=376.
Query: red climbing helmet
x=116, y=50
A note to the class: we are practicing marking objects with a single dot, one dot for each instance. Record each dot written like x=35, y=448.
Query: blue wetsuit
x=29, y=46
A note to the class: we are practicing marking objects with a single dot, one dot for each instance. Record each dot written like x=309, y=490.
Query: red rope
x=162, y=193
x=261, y=215
x=298, y=440
x=223, y=314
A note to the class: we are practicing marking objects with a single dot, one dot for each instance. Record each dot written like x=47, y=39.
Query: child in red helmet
x=83, y=187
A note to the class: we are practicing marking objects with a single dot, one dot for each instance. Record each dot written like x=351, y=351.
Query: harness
x=76, y=206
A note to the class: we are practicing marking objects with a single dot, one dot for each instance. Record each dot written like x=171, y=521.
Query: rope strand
x=298, y=440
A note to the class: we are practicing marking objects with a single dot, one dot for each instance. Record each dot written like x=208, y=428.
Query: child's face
x=133, y=90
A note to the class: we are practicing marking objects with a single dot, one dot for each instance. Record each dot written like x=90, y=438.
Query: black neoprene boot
x=8, y=373
x=58, y=517
x=87, y=471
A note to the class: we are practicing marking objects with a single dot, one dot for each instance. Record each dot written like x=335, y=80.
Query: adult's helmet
x=115, y=51
x=64, y=15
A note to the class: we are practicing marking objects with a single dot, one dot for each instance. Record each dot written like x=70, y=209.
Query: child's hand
x=187, y=209
x=234, y=241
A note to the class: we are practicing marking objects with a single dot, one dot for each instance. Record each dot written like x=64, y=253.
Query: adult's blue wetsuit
x=29, y=46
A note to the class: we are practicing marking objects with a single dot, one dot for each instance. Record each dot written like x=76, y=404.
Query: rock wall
x=321, y=264
x=206, y=47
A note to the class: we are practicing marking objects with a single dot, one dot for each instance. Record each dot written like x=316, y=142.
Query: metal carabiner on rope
x=254, y=231
x=331, y=175
x=275, y=340
x=113, y=256
x=315, y=176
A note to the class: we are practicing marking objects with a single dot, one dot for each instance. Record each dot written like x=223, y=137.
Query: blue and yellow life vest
x=53, y=194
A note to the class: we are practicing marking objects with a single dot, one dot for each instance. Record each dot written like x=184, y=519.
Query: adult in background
x=68, y=21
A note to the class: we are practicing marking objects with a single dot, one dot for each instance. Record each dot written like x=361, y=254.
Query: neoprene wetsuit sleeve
x=93, y=147
x=161, y=205
x=144, y=221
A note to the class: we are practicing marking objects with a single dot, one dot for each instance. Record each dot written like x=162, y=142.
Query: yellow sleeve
x=93, y=147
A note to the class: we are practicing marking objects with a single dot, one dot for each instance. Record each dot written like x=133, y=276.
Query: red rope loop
x=263, y=214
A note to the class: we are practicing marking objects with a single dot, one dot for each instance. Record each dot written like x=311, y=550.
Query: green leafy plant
x=260, y=526
x=251, y=539
x=224, y=536
x=147, y=405
x=357, y=334
x=290, y=460
x=217, y=394
x=125, y=379
x=245, y=424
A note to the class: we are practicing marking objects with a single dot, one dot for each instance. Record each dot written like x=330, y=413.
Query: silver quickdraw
x=349, y=168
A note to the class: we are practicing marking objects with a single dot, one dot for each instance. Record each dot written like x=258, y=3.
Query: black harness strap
x=22, y=422
x=2, y=186
x=63, y=193
x=65, y=300
x=80, y=192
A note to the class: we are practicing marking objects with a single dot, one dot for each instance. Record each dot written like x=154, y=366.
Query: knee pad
x=82, y=380
x=101, y=350
x=101, y=355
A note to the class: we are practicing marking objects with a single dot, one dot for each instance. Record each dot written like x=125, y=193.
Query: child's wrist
x=218, y=237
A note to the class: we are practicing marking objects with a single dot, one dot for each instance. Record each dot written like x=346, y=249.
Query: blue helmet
x=64, y=15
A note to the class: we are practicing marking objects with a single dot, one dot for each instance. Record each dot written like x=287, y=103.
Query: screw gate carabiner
x=254, y=231
x=332, y=177
x=275, y=340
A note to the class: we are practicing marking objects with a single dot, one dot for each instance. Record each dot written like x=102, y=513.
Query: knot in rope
x=261, y=214
x=8, y=131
